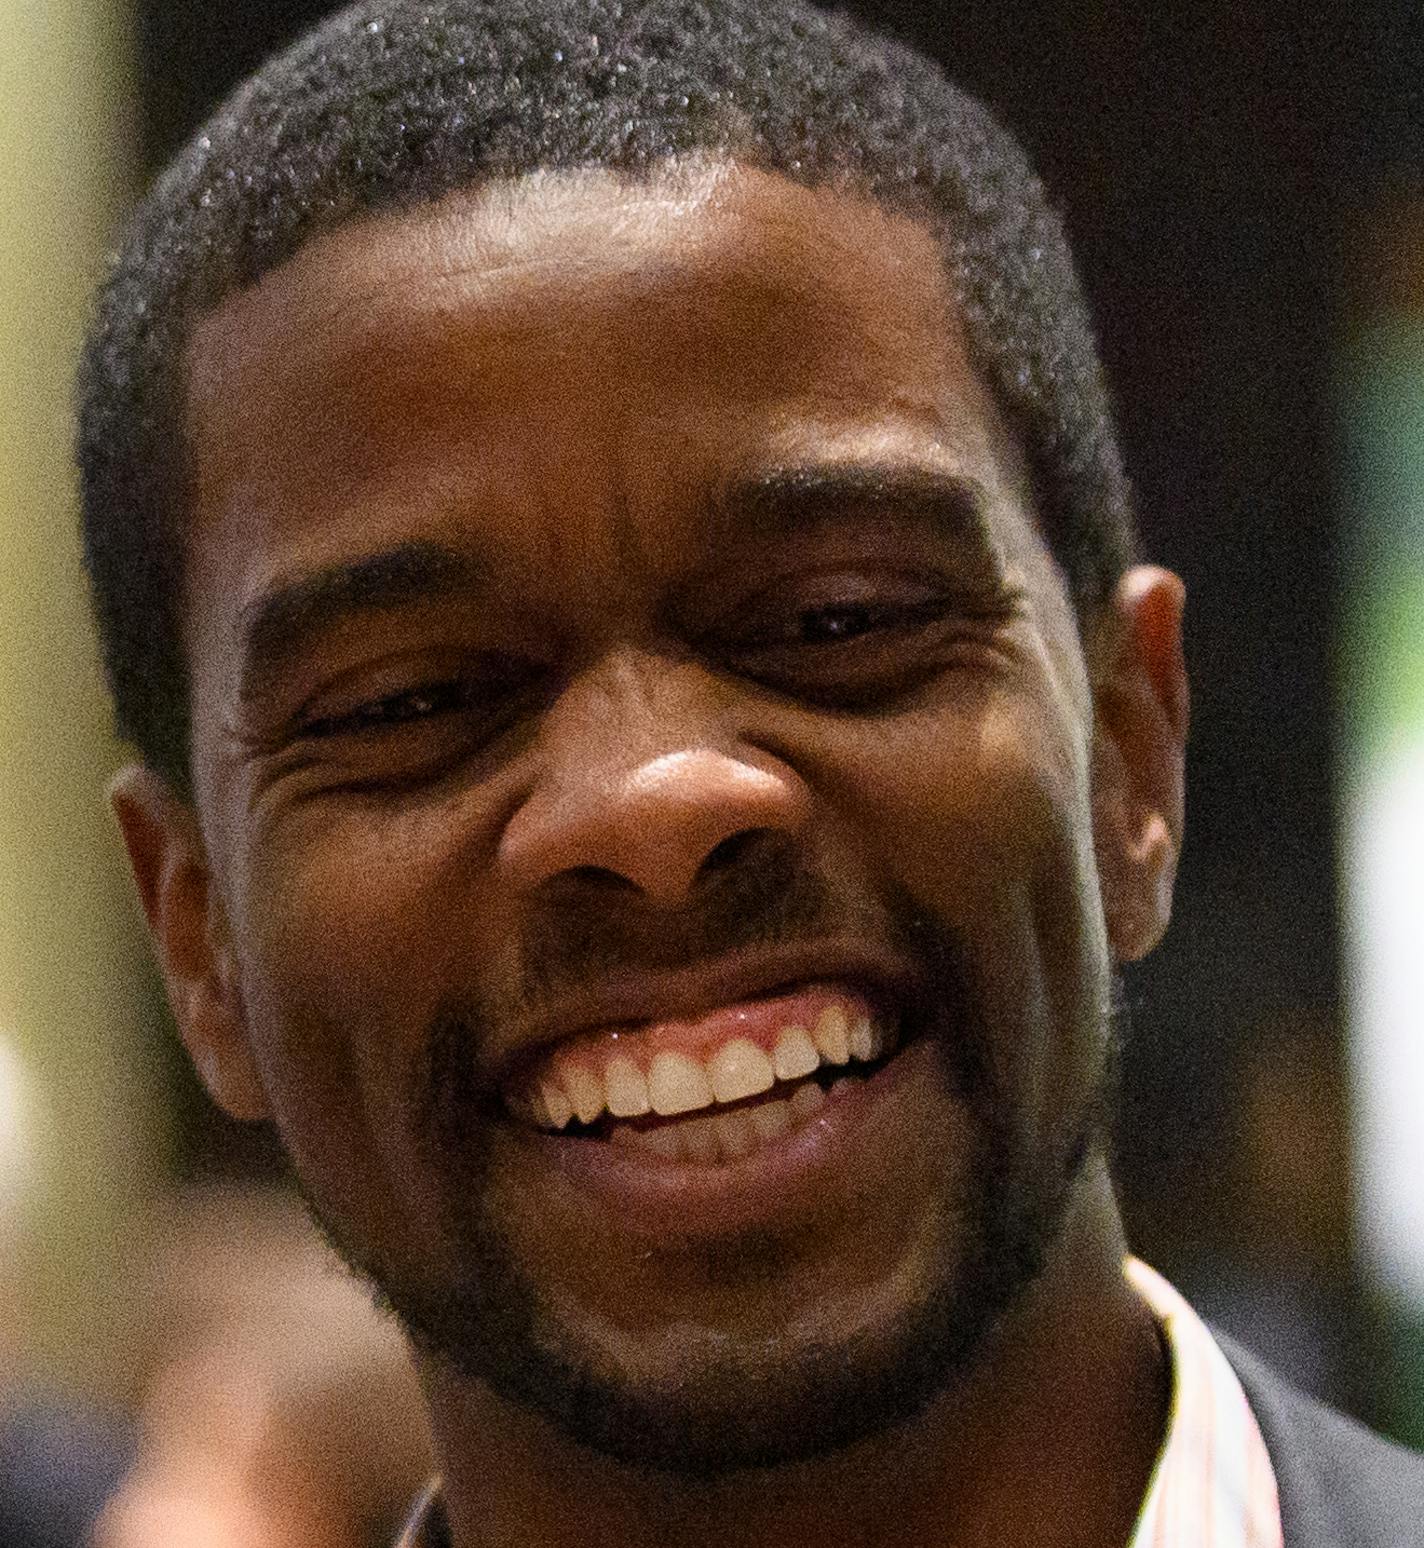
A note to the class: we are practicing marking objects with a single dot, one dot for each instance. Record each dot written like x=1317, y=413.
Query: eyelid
x=336, y=721
x=373, y=673
x=787, y=597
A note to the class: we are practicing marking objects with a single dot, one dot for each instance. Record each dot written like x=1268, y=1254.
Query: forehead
x=585, y=248
x=569, y=343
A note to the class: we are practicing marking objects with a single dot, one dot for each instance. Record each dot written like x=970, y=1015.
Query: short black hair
x=393, y=103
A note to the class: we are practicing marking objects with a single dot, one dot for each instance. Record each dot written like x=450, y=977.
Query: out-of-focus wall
x=1382, y=774
x=80, y=1140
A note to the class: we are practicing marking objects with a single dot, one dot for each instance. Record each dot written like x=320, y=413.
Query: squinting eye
x=840, y=622
x=827, y=625
x=394, y=709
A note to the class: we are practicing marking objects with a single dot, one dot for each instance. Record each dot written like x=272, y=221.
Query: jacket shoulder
x=1341, y=1486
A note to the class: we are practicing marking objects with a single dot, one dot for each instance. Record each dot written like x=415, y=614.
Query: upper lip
x=631, y=997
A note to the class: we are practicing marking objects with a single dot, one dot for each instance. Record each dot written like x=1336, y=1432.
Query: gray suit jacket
x=1340, y=1486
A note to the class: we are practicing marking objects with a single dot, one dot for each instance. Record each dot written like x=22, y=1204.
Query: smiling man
x=610, y=545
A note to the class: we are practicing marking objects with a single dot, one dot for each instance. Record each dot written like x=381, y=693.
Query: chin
x=717, y=1400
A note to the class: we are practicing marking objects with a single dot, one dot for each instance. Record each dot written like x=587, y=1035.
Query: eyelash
x=877, y=617
x=381, y=714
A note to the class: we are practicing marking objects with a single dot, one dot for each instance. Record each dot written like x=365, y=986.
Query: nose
x=657, y=820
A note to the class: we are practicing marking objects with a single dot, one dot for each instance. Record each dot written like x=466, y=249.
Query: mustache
x=769, y=899
x=766, y=898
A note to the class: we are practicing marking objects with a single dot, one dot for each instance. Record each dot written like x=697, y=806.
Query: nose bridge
x=643, y=778
x=626, y=714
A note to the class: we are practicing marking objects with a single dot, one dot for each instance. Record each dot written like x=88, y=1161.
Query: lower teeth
x=727, y=1136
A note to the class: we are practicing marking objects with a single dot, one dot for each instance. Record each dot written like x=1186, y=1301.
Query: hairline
x=390, y=214
x=238, y=201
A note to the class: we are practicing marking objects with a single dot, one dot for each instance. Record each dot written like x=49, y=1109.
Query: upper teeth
x=672, y=1082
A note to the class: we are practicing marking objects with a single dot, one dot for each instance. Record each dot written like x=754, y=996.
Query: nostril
x=598, y=877
x=733, y=850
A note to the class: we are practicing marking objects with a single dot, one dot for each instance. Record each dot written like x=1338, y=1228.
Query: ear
x=1141, y=710
x=190, y=936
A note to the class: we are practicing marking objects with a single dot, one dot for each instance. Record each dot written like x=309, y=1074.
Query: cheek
x=351, y=934
x=365, y=912
x=984, y=818
x=986, y=802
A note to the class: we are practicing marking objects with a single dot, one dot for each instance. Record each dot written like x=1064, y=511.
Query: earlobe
x=1141, y=703
x=170, y=868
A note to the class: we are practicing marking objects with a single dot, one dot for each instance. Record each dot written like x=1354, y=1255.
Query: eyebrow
x=788, y=499
x=286, y=616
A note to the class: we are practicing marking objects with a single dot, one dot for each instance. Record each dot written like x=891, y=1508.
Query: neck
x=1048, y=1443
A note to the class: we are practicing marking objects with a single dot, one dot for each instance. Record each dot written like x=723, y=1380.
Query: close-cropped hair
x=396, y=103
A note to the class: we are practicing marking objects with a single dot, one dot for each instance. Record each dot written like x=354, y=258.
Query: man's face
x=626, y=673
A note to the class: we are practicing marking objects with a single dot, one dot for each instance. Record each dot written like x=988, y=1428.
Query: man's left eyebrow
x=277, y=623
x=786, y=499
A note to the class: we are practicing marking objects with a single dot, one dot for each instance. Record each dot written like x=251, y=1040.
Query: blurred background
x=1244, y=187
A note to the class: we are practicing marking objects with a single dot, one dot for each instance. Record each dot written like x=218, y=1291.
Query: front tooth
x=806, y=1099
x=672, y=1147
x=770, y=1119
x=862, y=1041
x=833, y=1036
x=699, y=1139
x=556, y=1104
x=795, y=1054
x=740, y=1069
x=882, y=1039
x=585, y=1091
x=735, y=1134
x=661, y=1141
x=677, y=1084
x=627, y=1090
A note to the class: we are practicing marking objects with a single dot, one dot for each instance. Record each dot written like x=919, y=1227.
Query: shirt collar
x=427, y=1525
x=1212, y=1485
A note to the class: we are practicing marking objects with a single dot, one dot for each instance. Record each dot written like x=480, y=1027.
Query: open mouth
x=717, y=1090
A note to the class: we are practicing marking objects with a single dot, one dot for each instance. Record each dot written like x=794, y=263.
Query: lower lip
x=658, y=1198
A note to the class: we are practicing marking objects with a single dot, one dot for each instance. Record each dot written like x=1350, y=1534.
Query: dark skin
x=507, y=606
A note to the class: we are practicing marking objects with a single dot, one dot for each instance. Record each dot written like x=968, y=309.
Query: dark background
x=1221, y=167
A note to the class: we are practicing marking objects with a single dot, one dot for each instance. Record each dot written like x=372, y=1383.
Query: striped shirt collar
x=1212, y=1485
